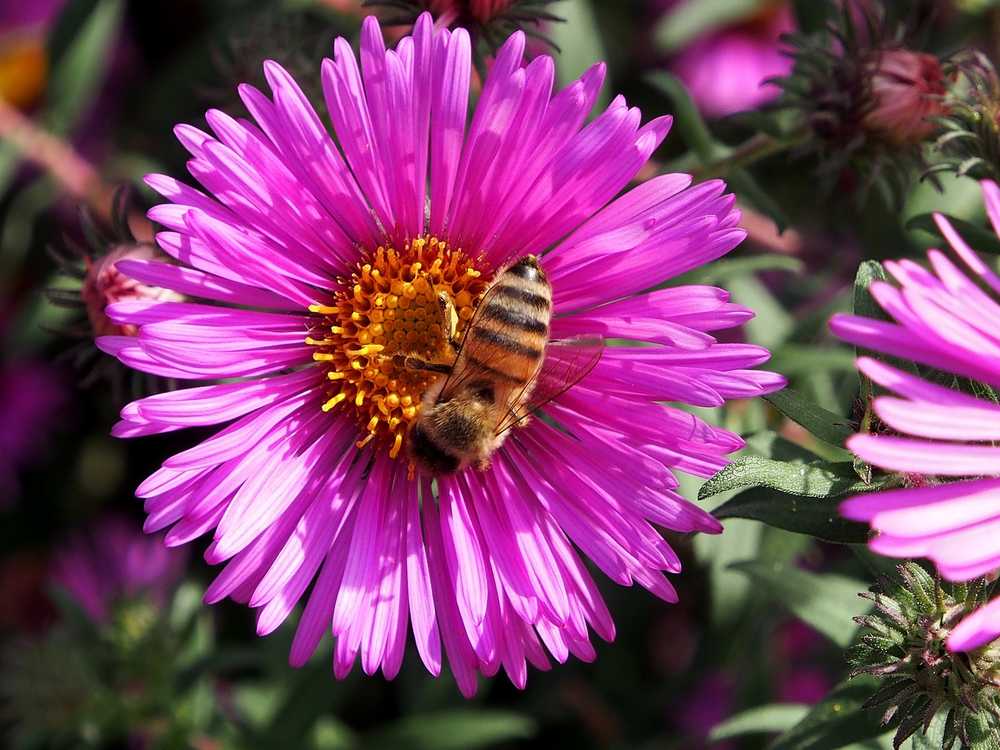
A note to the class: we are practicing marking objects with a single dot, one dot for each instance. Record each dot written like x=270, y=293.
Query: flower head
x=728, y=70
x=333, y=264
x=943, y=446
x=104, y=285
x=112, y=563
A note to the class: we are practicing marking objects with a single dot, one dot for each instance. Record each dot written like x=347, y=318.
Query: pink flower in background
x=946, y=439
x=327, y=261
x=724, y=71
x=798, y=677
x=113, y=562
x=31, y=397
x=803, y=684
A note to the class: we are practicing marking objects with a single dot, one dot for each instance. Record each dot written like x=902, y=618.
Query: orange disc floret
x=392, y=305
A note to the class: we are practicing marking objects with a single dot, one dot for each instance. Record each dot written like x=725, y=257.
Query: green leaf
x=838, y=720
x=728, y=589
x=81, y=61
x=979, y=238
x=775, y=717
x=687, y=119
x=827, y=426
x=813, y=479
x=65, y=27
x=461, y=729
x=817, y=517
x=933, y=739
x=690, y=20
x=828, y=602
x=983, y=734
x=770, y=444
x=864, y=304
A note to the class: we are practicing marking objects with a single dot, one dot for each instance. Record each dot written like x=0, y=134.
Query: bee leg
x=483, y=464
x=409, y=362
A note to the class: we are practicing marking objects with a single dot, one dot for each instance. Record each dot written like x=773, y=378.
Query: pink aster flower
x=725, y=71
x=945, y=439
x=318, y=258
x=113, y=562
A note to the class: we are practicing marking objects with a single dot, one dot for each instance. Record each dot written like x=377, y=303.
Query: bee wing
x=567, y=362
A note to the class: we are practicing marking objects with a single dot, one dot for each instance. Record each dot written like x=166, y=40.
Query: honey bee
x=494, y=379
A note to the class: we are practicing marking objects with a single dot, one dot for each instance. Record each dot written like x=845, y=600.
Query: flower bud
x=92, y=281
x=104, y=285
x=906, y=90
x=903, y=644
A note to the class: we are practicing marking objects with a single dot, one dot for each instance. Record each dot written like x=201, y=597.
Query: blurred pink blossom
x=113, y=561
x=724, y=70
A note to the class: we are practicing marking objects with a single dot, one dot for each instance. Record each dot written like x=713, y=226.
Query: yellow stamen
x=334, y=401
x=397, y=443
x=323, y=309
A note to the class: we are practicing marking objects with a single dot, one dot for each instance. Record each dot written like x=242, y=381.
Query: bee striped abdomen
x=512, y=327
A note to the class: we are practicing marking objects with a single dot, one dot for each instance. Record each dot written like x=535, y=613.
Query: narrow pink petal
x=976, y=629
x=925, y=457
x=421, y=595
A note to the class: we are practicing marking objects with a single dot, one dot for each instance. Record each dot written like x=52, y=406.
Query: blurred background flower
x=727, y=69
x=112, y=564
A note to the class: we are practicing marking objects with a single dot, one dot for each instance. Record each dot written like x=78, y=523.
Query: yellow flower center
x=396, y=303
